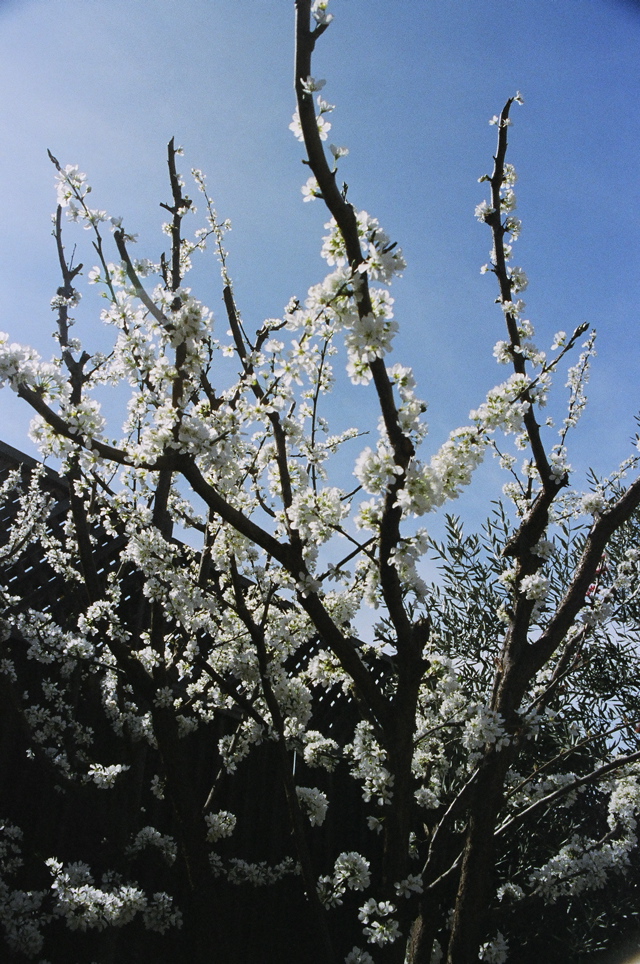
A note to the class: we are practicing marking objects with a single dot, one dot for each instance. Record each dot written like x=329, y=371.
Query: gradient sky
x=105, y=83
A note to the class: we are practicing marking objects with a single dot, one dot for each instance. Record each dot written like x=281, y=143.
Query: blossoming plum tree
x=494, y=735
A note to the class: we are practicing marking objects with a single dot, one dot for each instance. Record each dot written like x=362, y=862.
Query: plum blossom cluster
x=368, y=765
x=106, y=776
x=536, y=588
x=33, y=507
x=317, y=514
x=537, y=789
x=152, y=838
x=379, y=926
x=495, y=951
x=324, y=126
x=351, y=871
x=320, y=751
x=581, y=865
x=410, y=885
x=314, y=803
x=427, y=487
x=23, y=366
x=357, y=956
x=261, y=874
x=319, y=12
x=73, y=897
x=219, y=825
x=519, y=348
x=382, y=259
x=585, y=864
x=85, y=906
x=325, y=670
x=484, y=726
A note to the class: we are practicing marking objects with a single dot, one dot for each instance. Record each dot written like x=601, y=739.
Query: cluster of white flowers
x=495, y=951
x=150, y=837
x=320, y=750
x=536, y=588
x=624, y=802
x=85, y=906
x=598, y=612
x=260, y=874
x=121, y=709
x=584, y=864
x=410, y=885
x=357, y=956
x=335, y=301
x=380, y=927
x=311, y=189
x=316, y=515
x=483, y=211
x=324, y=669
x=31, y=512
x=544, y=549
x=319, y=12
x=451, y=469
x=502, y=408
x=382, y=258
x=375, y=471
x=105, y=776
x=324, y=126
x=581, y=865
x=445, y=702
x=351, y=870
x=593, y=503
x=628, y=571
x=53, y=722
x=171, y=584
x=427, y=797
x=315, y=804
x=406, y=556
x=533, y=389
x=23, y=366
x=510, y=891
x=368, y=765
x=235, y=748
x=411, y=408
x=369, y=338
x=219, y=825
x=537, y=789
x=484, y=726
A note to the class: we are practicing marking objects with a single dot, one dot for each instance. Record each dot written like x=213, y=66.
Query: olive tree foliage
x=495, y=738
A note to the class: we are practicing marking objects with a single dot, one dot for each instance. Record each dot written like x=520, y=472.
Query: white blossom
x=314, y=803
x=495, y=951
x=219, y=825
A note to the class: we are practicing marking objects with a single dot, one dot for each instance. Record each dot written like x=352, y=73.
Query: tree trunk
x=423, y=932
x=476, y=885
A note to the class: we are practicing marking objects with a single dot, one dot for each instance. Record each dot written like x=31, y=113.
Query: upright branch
x=344, y=214
x=500, y=219
x=346, y=220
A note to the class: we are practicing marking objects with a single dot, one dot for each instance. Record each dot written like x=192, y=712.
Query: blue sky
x=106, y=83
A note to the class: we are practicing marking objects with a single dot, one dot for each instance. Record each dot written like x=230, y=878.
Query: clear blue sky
x=106, y=83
